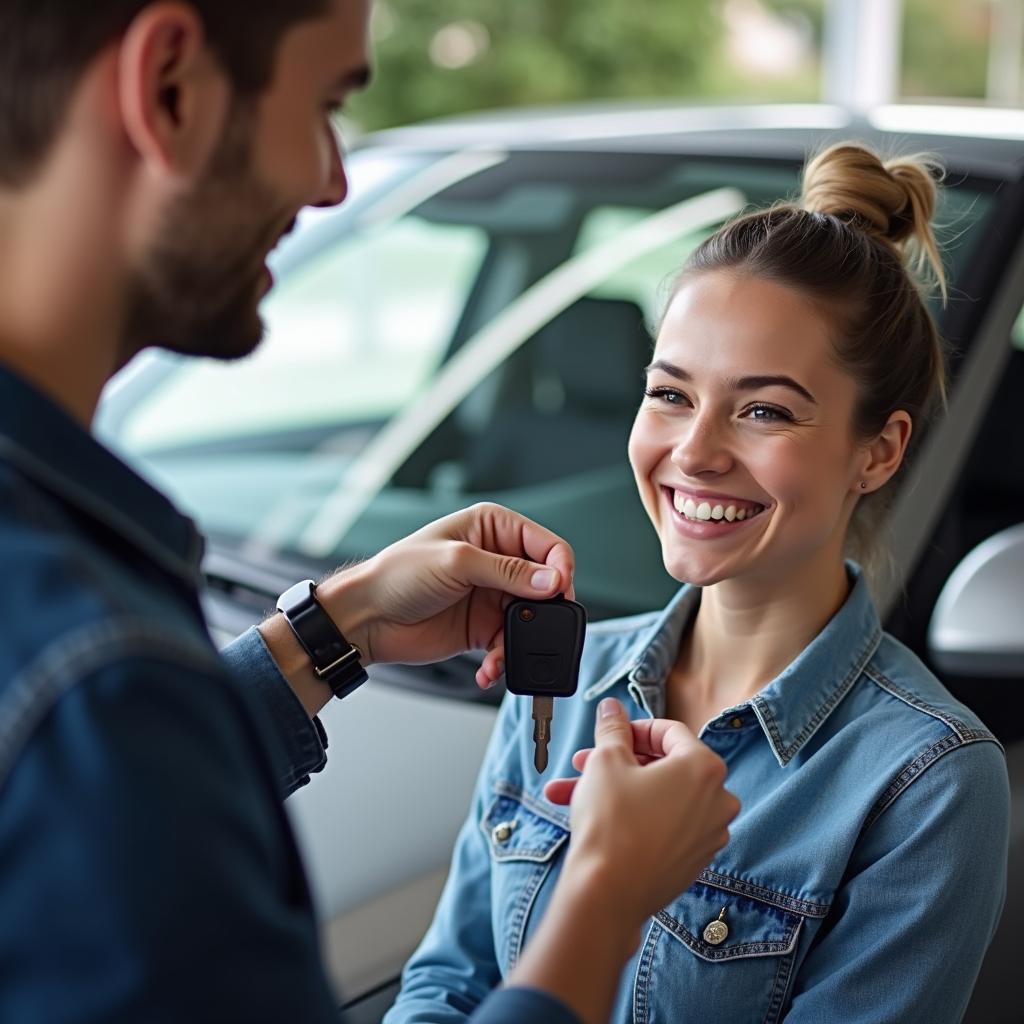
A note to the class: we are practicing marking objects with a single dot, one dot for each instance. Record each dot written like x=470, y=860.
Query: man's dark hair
x=46, y=45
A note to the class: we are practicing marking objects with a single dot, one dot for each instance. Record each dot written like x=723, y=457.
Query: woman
x=795, y=365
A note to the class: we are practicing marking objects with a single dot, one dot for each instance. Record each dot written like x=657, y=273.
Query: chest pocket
x=523, y=836
x=732, y=942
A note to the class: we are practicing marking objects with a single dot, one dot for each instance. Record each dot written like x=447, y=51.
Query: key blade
x=543, y=709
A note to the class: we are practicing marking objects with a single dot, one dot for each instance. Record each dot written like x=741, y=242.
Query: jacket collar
x=793, y=706
x=41, y=442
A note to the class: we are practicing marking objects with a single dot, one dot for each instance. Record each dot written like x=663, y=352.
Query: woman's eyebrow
x=752, y=383
x=773, y=381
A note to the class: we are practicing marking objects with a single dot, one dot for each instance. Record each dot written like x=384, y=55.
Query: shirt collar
x=793, y=706
x=42, y=442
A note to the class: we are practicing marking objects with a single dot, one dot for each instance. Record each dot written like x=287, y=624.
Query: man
x=151, y=154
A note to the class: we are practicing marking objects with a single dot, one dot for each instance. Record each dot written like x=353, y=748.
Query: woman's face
x=743, y=450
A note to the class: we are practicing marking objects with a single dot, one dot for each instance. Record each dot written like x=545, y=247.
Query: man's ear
x=883, y=455
x=172, y=92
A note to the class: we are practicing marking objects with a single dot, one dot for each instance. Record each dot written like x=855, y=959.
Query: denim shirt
x=148, y=871
x=864, y=875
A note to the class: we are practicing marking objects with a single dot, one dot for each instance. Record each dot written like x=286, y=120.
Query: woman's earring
x=863, y=485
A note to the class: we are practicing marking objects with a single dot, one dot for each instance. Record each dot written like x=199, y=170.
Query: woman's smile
x=703, y=515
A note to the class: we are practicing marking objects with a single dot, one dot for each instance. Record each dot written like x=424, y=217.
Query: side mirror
x=977, y=628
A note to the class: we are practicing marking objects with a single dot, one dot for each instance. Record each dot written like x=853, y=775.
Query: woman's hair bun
x=892, y=200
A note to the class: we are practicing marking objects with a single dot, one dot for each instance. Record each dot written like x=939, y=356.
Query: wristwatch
x=335, y=660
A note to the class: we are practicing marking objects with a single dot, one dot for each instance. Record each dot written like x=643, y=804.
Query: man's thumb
x=520, y=577
x=612, y=728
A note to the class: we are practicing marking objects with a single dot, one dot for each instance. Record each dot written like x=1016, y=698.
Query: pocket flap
x=718, y=924
x=519, y=827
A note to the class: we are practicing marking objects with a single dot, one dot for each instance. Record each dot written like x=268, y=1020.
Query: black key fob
x=543, y=647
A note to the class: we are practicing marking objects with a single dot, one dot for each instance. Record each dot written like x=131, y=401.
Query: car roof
x=977, y=140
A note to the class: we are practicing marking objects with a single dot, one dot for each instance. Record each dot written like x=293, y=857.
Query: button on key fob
x=543, y=646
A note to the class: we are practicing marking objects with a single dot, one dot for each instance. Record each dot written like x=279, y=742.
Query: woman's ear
x=172, y=92
x=883, y=455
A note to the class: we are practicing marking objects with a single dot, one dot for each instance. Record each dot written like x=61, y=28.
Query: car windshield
x=469, y=326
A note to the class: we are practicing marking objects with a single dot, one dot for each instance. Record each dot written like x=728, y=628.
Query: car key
x=543, y=646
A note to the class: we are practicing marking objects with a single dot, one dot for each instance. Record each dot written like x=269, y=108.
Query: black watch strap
x=335, y=660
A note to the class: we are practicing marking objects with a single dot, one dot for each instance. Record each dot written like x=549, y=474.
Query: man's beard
x=199, y=290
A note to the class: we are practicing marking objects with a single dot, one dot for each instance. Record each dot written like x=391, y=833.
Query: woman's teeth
x=704, y=510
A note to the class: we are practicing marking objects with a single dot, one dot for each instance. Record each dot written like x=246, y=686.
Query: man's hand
x=652, y=738
x=641, y=833
x=438, y=592
x=647, y=829
x=444, y=589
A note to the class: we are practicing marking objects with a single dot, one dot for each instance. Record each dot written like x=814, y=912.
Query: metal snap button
x=737, y=723
x=502, y=832
x=717, y=931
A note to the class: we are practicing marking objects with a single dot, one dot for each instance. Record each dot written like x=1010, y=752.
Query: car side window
x=546, y=432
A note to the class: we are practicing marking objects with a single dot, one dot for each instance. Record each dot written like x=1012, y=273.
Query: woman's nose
x=702, y=450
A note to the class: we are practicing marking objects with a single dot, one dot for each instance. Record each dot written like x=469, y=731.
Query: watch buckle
x=349, y=655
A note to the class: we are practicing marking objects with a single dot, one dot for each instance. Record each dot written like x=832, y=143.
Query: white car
x=472, y=325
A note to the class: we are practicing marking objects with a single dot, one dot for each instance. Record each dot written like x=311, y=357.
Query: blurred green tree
x=463, y=55
x=945, y=48
x=475, y=54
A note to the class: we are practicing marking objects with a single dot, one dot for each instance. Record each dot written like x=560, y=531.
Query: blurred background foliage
x=461, y=55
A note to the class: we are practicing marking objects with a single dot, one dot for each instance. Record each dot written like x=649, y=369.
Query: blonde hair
x=860, y=245
x=893, y=200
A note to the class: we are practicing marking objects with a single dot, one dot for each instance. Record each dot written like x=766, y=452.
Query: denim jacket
x=148, y=871
x=864, y=875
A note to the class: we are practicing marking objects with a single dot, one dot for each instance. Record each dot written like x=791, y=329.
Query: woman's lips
x=711, y=516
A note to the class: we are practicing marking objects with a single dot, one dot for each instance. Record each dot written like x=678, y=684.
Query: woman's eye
x=767, y=414
x=668, y=395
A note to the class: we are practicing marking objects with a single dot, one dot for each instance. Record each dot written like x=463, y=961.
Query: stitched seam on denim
x=513, y=928
x=38, y=687
x=636, y=691
x=777, y=899
x=913, y=771
x=962, y=730
x=642, y=981
x=633, y=658
x=800, y=955
x=608, y=680
x=770, y=947
x=69, y=491
x=525, y=905
x=534, y=854
x=783, y=974
x=860, y=663
x=771, y=1011
x=531, y=803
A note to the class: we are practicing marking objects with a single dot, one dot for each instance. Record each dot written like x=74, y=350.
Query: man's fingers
x=657, y=737
x=612, y=729
x=491, y=669
x=652, y=738
x=510, y=574
x=517, y=535
x=559, y=791
x=579, y=759
x=494, y=528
